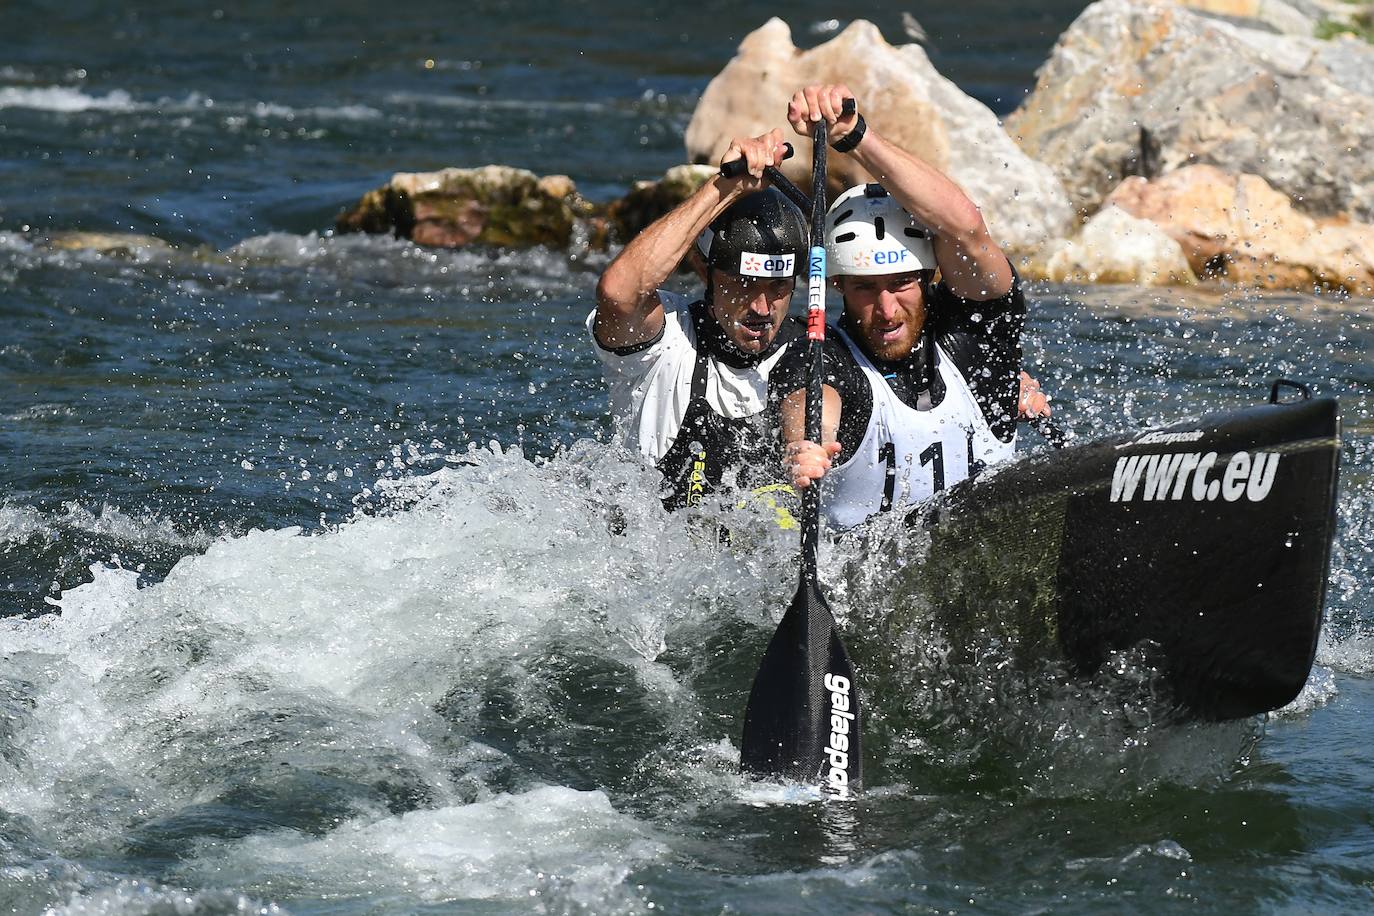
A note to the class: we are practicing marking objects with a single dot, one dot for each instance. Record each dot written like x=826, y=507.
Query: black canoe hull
x=1208, y=541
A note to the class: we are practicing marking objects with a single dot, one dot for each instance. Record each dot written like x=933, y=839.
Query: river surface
x=324, y=590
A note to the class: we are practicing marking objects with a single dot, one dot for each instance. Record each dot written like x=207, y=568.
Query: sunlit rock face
x=1114, y=247
x=1239, y=228
x=900, y=94
x=1144, y=88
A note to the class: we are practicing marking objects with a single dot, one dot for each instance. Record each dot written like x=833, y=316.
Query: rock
x=1276, y=15
x=1136, y=87
x=648, y=200
x=1114, y=247
x=115, y=244
x=492, y=205
x=903, y=96
x=1240, y=228
x=507, y=207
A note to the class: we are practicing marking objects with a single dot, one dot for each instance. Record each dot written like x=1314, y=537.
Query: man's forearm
x=923, y=190
x=792, y=415
x=627, y=306
x=971, y=263
x=650, y=258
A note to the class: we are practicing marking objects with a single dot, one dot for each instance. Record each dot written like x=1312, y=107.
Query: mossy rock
x=492, y=205
x=513, y=208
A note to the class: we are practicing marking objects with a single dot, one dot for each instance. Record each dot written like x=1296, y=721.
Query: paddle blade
x=803, y=719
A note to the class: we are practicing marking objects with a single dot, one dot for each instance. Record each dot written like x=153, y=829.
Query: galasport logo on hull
x=1163, y=438
x=1195, y=476
x=837, y=752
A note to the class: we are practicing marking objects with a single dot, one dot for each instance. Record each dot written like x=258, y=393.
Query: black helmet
x=760, y=235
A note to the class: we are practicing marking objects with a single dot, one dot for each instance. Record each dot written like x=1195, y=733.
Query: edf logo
x=890, y=257
x=753, y=264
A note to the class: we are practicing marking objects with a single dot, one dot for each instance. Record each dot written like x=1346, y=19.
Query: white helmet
x=868, y=233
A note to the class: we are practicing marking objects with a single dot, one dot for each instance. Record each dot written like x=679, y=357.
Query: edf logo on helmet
x=753, y=264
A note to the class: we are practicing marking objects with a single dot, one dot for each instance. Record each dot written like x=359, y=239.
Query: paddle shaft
x=1054, y=433
x=815, y=340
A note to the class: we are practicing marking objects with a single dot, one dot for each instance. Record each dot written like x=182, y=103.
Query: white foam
x=22, y=524
x=138, y=898
x=552, y=841
x=366, y=631
x=42, y=412
x=323, y=112
x=1352, y=654
x=484, y=103
x=1164, y=849
x=65, y=99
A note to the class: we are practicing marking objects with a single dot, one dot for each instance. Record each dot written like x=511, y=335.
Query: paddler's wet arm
x=628, y=310
x=804, y=461
x=971, y=262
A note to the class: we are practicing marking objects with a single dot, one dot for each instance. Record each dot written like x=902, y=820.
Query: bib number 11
x=934, y=455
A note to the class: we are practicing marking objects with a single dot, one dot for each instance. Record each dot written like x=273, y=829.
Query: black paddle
x=803, y=719
x=1054, y=433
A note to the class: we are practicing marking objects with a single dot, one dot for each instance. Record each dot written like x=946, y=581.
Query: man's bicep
x=977, y=270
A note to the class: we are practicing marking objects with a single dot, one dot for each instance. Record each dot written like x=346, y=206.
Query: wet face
x=750, y=310
x=886, y=311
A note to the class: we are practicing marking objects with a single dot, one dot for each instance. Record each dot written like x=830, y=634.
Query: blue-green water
x=344, y=628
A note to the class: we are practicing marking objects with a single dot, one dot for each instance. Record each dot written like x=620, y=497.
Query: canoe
x=1205, y=543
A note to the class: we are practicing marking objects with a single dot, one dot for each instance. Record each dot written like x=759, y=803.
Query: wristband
x=851, y=139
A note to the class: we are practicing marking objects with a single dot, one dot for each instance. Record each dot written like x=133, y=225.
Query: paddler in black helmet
x=689, y=379
x=922, y=376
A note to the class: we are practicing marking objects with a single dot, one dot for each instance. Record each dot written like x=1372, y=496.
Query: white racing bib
x=908, y=455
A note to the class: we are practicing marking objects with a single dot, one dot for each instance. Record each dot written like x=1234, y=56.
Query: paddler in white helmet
x=688, y=377
x=922, y=375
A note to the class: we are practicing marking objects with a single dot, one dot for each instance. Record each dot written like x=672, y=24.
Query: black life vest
x=709, y=444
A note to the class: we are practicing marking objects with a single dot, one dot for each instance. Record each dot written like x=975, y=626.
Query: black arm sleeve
x=984, y=341
x=839, y=372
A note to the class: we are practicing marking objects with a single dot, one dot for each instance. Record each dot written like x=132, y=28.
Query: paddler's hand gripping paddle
x=803, y=719
x=737, y=167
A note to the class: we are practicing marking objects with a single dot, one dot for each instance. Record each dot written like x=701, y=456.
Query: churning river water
x=324, y=590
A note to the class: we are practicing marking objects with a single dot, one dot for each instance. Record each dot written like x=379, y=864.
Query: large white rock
x=1144, y=87
x=902, y=95
x=1115, y=247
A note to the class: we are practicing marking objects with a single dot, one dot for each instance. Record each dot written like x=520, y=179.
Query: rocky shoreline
x=1166, y=142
